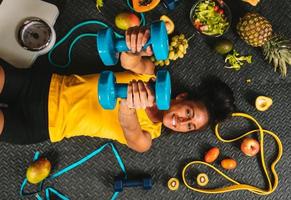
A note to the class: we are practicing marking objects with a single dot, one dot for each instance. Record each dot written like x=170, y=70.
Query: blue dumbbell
x=120, y=183
x=109, y=47
x=109, y=90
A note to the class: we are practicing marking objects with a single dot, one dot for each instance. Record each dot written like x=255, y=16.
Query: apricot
x=211, y=155
x=228, y=163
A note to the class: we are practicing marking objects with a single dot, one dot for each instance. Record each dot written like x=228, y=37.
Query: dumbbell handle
x=121, y=89
x=132, y=183
x=121, y=46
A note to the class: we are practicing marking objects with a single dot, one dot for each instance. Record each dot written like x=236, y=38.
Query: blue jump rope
x=97, y=22
x=50, y=190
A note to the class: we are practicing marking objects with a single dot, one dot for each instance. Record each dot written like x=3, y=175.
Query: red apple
x=250, y=146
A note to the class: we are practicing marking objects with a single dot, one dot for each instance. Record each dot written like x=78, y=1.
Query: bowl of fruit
x=210, y=17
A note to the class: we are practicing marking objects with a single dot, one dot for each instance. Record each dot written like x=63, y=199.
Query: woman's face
x=186, y=115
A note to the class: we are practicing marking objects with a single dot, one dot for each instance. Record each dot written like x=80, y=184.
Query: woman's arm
x=136, y=138
x=137, y=59
x=139, y=95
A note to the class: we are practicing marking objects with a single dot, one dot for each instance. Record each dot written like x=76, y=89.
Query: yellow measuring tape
x=239, y=186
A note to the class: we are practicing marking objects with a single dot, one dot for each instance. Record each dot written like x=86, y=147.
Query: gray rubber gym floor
x=170, y=152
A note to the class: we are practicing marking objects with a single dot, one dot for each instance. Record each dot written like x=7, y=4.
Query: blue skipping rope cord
x=49, y=190
x=142, y=22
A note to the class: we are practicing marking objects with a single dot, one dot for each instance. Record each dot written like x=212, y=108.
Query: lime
x=223, y=46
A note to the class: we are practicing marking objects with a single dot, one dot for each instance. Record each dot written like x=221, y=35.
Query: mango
x=126, y=20
x=170, y=26
x=38, y=170
x=228, y=163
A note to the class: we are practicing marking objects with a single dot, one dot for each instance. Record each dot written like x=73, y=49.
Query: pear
x=38, y=170
x=263, y=103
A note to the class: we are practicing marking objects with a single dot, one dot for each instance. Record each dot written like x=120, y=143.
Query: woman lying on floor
x=44, y=106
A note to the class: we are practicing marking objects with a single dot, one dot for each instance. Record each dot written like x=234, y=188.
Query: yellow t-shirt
x=74, y=110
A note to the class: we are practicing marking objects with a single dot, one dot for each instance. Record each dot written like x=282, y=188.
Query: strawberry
x=216, y=8
x=220, y=11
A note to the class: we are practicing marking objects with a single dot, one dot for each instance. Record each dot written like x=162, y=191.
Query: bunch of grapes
x=178, y=48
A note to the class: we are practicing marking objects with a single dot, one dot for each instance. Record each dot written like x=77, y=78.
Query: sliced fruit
x=126, y=20
x=263, y=103
x=170, y=26
x=173, y=184
x=38, y=170
x=144, y=5
x=223, y=46
x=202, y=179
x=228, y=163
x=211, y=155
x=252, y=2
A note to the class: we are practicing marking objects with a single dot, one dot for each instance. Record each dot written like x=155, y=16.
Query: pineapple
x=257, y=31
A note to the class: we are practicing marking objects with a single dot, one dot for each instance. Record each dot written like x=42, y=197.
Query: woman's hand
x=137, y=59
x=139, y=95
x=136, y=138
x=136, y=38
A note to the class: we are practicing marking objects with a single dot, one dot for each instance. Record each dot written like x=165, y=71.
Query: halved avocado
x=263, y=103
x=170, y=26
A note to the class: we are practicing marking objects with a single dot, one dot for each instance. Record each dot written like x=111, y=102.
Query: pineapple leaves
x=278, y=52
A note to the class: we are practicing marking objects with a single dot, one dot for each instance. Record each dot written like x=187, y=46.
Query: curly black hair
x=218, y=98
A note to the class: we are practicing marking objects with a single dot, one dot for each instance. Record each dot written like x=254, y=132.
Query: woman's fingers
x=133, y=40
x=150, y=95
x=146, y=36
x=136, y=95
x=140, y=37
x=129, y=99
x=128, y=37
x=147, y=52
x=140, y=95
x=143, y=94
x=136, y=38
